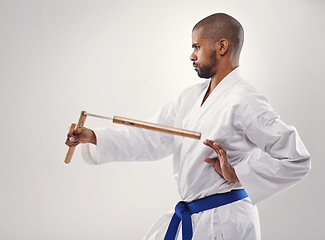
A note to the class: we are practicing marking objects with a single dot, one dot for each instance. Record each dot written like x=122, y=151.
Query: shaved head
x=221, y=25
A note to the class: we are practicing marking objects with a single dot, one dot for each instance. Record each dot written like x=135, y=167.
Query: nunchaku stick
x=76, y=131
x=130, y=122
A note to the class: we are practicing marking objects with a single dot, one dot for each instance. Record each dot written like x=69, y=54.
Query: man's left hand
x=221, y=163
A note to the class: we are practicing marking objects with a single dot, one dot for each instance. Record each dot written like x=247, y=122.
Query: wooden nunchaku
x=130, y=122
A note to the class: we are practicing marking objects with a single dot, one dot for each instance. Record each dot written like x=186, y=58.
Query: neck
x=225, y=69
x=218, y=77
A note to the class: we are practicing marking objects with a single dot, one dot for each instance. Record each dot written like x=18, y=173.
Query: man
x=212, y=174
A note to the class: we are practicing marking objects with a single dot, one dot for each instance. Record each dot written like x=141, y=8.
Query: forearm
x=286, y=162
x=268, y=176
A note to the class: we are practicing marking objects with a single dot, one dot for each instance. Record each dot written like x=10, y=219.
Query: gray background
x=128, y=58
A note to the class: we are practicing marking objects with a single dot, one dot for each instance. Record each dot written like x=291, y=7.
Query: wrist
x=93, y=138
x=235, y=176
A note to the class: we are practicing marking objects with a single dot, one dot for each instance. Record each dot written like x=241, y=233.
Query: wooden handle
x=76, y=131
x=157, y=127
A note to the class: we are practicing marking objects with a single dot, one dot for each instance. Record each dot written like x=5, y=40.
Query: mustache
x=195, y=65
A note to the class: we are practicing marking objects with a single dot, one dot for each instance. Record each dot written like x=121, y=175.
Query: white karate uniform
x=240, y=119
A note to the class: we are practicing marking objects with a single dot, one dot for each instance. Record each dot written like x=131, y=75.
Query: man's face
x=203, y=56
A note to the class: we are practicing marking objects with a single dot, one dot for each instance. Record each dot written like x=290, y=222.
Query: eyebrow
x=194, y=45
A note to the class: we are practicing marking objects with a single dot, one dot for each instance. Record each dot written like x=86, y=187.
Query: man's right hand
x=86, y=136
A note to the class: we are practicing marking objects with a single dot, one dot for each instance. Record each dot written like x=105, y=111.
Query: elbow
x=298, y=168
x=304, y=166
x=308, y=165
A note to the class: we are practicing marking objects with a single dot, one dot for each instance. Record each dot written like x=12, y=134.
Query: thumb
x=208, y=160
x=74, y=138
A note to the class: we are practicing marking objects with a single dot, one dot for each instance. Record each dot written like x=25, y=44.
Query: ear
x=222, y=46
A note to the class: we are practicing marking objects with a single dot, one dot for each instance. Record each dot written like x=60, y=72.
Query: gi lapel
x=199, y=112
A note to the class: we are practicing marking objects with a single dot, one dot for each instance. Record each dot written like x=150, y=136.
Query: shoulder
x=194, y=89
x=186, y=98
x=249, y=95
x=190, y=94
x=250, y=104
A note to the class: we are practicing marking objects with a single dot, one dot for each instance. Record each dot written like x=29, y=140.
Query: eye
x=195, y=47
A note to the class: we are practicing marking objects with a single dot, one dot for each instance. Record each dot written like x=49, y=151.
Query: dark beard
x=207, y=70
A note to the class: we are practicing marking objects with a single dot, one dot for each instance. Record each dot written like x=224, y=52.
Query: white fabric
x=240, y=119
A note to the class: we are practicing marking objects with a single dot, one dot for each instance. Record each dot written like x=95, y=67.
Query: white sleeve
x=286, y=163
x=130, y=143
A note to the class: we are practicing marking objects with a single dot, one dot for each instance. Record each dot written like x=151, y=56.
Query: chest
x=214, y=119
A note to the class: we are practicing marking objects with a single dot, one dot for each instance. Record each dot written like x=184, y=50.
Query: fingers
x=219, y=148
x=86, y=136
x=71, y=129
x=221, y=158
x=221, y=164
x=71, y=143
x=210, y=144
x=216, y=147
x=72, y=140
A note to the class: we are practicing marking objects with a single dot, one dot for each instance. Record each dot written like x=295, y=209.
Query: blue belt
x=184, y=210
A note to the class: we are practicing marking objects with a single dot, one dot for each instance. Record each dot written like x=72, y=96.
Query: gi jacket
x=237, y=117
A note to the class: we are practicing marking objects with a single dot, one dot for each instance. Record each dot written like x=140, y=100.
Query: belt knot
x=180, y=208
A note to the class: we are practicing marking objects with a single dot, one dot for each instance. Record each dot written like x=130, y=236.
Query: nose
x=193, y=57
